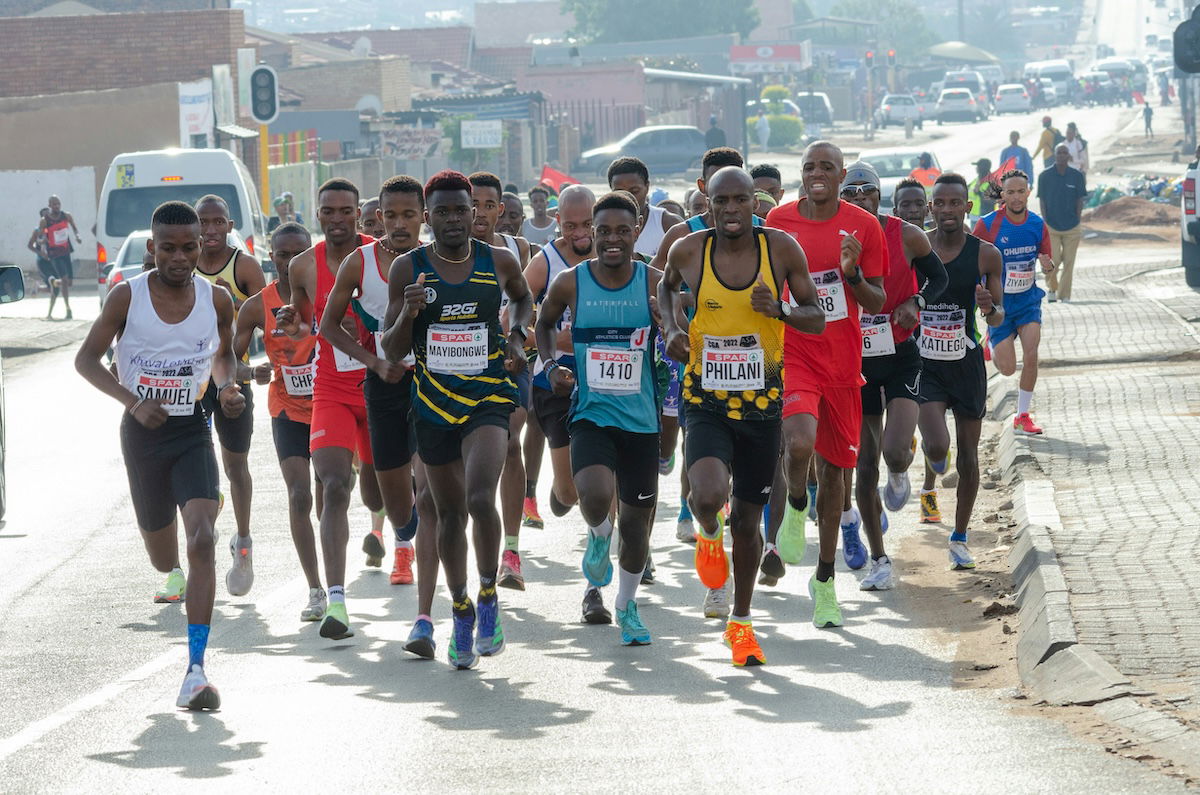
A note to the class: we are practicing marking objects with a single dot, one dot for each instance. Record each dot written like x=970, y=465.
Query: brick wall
x=51, y=55
x=339, y=85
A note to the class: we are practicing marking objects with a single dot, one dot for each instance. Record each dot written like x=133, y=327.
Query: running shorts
x=1020, y=313
x=749, y=449
x=63, y=267
x=897, y=375
x=291, y=437
x=390, y=421
x=336, y=424
x=524, y=382
x=552, y=412
x=838, y=410
x=961, y=385
x=233, y=434
x=442, y=444
x=632, y=457
x=48, y=271
x=168, y=466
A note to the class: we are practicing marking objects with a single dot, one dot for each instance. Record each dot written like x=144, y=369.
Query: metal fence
x=598, y=122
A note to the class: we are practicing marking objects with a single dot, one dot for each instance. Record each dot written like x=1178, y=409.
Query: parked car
x=958, y=103
x=665, y=149
x=973, y=81
x=789, y=108
x=1011, y=98
x=897, y=109
x=815, y=107
x=128, y=262
x=893, y=165
x=12, y=288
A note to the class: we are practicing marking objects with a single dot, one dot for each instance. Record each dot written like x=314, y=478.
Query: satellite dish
x=362, y=47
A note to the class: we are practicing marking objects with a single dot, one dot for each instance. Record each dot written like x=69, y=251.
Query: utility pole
x=962, y=25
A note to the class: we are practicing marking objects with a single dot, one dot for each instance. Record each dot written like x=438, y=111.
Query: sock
x=928, y=491
x=197, y=643
x=627, y=584
x=409, y=531
x=740, y=619
x=812, y=492
x=404, y=544
x=424, y=617
x=1024, y=399
x=799, y=503
x=881, y=558
x=959, y=535
x=685, y=512
x=242, y=542
x=487, y=586
x=459, y=598
x=849, y=517
x=531, y=489
x=766, y=520
x=337, y=594
x=510, y=543
x=824, y=571
x=769, y=547
x=604, y=529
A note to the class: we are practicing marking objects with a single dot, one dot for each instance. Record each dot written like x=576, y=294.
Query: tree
x=899, y=24
x=639, y=20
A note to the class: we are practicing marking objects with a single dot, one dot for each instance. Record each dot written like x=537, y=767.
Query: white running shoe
x=716, y=602
x=685, y=531
x=880, y=577
x=960, y=556
x=240, y=577
x=317, y=602
x=197, y=693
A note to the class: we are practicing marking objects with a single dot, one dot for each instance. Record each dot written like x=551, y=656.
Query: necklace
x=388, y=248
x=444, y=258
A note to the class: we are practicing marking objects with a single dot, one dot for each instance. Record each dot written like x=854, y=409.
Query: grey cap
x=861, y=171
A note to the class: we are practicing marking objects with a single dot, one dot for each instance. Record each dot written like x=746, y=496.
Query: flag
x=553, y=179
x=1005, y=167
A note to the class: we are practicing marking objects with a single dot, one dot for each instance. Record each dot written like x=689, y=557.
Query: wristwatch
x=785, y=309
x=920, y=301
x=857, y=278
x=990, y=312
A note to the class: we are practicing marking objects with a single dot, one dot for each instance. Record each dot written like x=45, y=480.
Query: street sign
x=482, y=134
x=769, y=58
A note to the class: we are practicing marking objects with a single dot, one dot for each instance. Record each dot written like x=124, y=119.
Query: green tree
x=639, y=20
x=801, y=11
x=899, y=24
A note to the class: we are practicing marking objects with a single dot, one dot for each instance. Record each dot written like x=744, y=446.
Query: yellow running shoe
x=930, y=513
x=739, y=636
x=712, y=564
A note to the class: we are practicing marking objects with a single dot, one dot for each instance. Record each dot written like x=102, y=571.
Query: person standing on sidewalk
x=763, y=129
x=1147, y=119
x=1062, y=190
x=1077, y=146
x=1020, y=155
x=715, y=136
x=1049, y=139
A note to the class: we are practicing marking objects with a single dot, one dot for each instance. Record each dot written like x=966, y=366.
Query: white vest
x=652, y=233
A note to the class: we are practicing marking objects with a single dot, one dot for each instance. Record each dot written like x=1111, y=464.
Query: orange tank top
x=290, y=393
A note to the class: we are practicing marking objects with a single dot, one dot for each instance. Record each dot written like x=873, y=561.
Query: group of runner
x=415, y=366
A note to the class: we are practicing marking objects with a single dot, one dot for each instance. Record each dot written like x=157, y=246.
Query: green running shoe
x=173, y=590
x=826, y=611
x=791, y=539
x=336, y=624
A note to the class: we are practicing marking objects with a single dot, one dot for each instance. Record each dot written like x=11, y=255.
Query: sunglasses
x=850, y=191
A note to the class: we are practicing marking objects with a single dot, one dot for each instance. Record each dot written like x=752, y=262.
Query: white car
x=897, y=109
x=1012, y=98
x=1049, y=92
x=957, y=103
x=893, y=165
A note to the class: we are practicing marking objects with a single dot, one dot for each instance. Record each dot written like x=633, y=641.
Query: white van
x=1059, y=71
x=137, y=182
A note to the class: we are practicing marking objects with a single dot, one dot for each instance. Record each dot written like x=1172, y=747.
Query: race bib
x=298, y=380
x=943, y=335
x=614, y=370
x=831, y=295
x=176, y=393
x=732, y=364
x=59, y=238
x=346, y=363
x=877, y=339
x=456, y=350
x=1019, y=277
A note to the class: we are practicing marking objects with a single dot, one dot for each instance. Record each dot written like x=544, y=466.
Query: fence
x=598, y=122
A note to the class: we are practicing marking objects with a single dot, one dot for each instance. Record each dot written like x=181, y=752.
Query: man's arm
x=520, y=305
x=869, y=289
x=681, y=260
x=302, y=273
x=559, y=297
x=71, y=221
x=929, y=265
x=250, y=318
x=536, y=273
x=1082, y=199
x=224, y=366
x=523, y=247
x=991, y=296
x=669, y=220
x=676, y=232
x=791, y=263
x=348, y=281
x=107, y=326
x=248, y=273
x=32, y=244
x=405, y=301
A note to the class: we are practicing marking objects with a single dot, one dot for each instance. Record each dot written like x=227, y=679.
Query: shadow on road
x=191, y=745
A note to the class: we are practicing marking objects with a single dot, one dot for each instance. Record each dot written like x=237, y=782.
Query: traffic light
x=264, y=94
x=1187, y=45
x=891, y=58
x=870, y=59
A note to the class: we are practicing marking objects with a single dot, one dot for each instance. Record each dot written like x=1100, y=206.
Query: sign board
x=482, y=134
x=223, y=108
x=411, y=143
x=756, y=59
x=195, y=112
x=245, y=65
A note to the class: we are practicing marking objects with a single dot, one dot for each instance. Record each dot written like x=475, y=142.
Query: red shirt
x=900, y=284
x=338, y=377
x=834, y=357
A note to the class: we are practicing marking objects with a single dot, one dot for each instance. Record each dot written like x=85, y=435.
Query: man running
x=513, y=217
x=1023, y=240
x=891, y=365
x=822, y=403
x=631, y=175
x=446, y=298
x=174, y=329
x=54, y=226
x=240, y=274
x=733, y=385
x=288, y=374
x=954, y=376
x=541, y=228
x=368, y=220
x=614, y=409
x=768, y=179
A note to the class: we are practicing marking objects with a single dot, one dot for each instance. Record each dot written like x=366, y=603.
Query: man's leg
x=241, y=486
x=1066, y=266
x=968, y=431
x=1030, y=335
x=799, y=434
x=427, y=542
x=512, y=500
x=867, y=491
x=67, y=279
x=484, y=452
x=1004, y=355
x=234, y=435
x=333, y=468
x=533, y=448
x=199, y=517
x=296, y=473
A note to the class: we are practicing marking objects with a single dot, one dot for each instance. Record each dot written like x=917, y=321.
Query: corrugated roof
x=503, y=63
x=452, y=44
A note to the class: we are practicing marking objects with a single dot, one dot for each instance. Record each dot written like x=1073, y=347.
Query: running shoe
x=771, y=566
x=489, y=635
x=556, y=507
x=826, y=611
x=812, y=501
x=666, y=465
x=420, y=640
x=930, y=513
x=895, y=495
x=716, y=602
x=960, y=556
x=336, y=625
x=402, y=573
x=739, y=636
x=240, y=577
x=173, y=590
x=791, y=536
x=633, y=631
x=220, y=502
x=945, y=465
x=510, y=571
x=712, y=564
x=196, y=693
x=315, y=609
x=373, y=547
x=879, y=578
x=594, y=611
x=1024, y=424
x=883, y=522
x=532, y=517
x=685, y=531
x=853, y=551
x=597, y=564
x=648, y=572
x=461, y=652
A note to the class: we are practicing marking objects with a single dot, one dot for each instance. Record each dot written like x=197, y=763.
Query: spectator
x=1147, y=116
x=763, y=129
x=925, y=172
x=1049, y=139
x=980, y=189
x=1020, y=155
x=1061, y=191
x=715, y=136
x=1077, y=146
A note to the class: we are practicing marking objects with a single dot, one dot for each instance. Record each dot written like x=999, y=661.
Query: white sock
x=404, y=545
x=741, y=619
x=769, y=547
x=1024, y=398
x=604, y=530
x=337, y=594
x=928, y=491
x=849, y=517
x=627, y=584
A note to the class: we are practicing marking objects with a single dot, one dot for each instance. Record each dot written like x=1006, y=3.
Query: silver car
x=1012, y=98
x=957, y=103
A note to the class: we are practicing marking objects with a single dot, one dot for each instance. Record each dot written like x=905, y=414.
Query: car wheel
x=1191, y=265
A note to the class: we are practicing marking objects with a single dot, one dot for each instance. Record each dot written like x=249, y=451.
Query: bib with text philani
x=732, y=364
x=456, y=350
x=831, y=294
x=943, y=335
x=877, y=339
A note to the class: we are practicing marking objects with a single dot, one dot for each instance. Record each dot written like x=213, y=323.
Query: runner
x=891, y=366
x=37, y=244
x=733, y=386
x=822, y=403
x=289, y=373
x=174, y=329
x=446, y=297
x=513, y=217
x=54, y=226
x=541, y=228
x=953, y=374
x=339, y=415
x=1023, y=239
x=768, y=179
x=614, y=410
x=631, y=175
x=240, y=274
x=368, y=220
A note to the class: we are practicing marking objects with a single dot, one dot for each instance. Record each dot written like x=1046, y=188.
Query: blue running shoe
x=633, y=631
x=812, y=501
x=489, y=636
x=883, y=522
x=461, y=652
x=597, y=566
x=420, y=640
x=853, y=550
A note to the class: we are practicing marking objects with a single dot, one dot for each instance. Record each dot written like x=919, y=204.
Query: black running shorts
x=168, y=466
x=633, y=457
x=897, y=375
x=961, y=385
x=552, y=412
x=390, y=421
x=442, y=444
x=749, y=449
x=234, y=435
x=291, y=437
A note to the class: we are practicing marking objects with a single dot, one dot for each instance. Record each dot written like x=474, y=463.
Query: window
x=130, y=209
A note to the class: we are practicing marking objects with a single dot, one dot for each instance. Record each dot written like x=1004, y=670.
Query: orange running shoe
x=930, y=513
x=1023, y=423
x=712, y=564
x=739, y=636
x=402, y=570
x=531, y=516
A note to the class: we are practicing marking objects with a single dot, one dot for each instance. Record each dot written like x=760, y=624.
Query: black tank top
x=963, y=271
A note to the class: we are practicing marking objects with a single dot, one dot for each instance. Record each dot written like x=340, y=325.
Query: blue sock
x=766, y=520
x=409, y=531
x=959, y=535
x=197, y=643
x=685, y=513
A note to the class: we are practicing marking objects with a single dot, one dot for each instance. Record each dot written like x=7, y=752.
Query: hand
x=983, y=299
x=905, y=316
x=414, y=297
x=515, y=361
x=390, y=372
x=1047, y=263
x=679, y=346
x=150, y=414
x=763, y=301
x=78, y=239
x=851, y=251
x=287, y=320
x=262, y=374
x=232, y=401
x=562, y=381
x=222, y=283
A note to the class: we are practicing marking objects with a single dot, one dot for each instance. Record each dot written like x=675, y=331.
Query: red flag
x=553, y=179
x=1005, y=167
